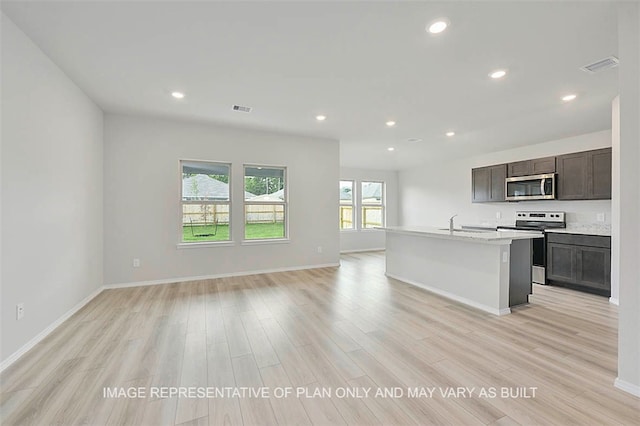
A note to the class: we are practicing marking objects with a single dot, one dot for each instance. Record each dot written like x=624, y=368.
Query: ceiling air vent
x=602, y=64
x=241, y=108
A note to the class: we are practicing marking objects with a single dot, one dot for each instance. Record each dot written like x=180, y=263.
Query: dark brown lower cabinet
x=594, y=268
x=561, y=262
x=580, y=261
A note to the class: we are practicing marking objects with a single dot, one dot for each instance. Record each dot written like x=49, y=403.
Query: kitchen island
x=489, y=270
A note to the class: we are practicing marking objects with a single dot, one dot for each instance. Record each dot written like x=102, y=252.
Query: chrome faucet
x=451, y=223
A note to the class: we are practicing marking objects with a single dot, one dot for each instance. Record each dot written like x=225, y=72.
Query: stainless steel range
x=537, y=221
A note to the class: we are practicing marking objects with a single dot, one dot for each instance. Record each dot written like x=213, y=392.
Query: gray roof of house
x=203, y=187
x=274, y=196
x=369, y=190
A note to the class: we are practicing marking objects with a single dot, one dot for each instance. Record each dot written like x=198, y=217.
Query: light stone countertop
x=487, y=237
x=583, y=230
x=603, y=230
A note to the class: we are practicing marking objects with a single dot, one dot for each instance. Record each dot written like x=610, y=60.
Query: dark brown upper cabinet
x=599, y=183
x=487, y=183
x=584, y=175
x=537, y=166
x=572, y=176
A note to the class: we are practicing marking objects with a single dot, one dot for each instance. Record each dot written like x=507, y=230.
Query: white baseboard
x=627, y=387
x=362, y=250
x=614, y=301
x=44, y=333
x=211, y=277
x=455, y=297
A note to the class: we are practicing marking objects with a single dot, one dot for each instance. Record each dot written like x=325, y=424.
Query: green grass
x=222, y=233
x=252, y=231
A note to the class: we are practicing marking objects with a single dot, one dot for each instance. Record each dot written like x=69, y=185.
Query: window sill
x=204, y=244
x=348, y=231
x=378, y=229
x=265, y=241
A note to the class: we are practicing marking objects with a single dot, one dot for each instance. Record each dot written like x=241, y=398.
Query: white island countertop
x=486, y=237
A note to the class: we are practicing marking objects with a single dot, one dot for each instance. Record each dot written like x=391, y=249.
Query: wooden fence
x=208, y=213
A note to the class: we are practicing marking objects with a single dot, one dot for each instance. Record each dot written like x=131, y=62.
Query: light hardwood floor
x=332, y=328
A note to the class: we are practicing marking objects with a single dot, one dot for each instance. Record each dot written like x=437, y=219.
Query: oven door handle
x=542, y=181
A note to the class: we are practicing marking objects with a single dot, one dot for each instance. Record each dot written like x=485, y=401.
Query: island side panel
x=520, y=279
x=473, y=273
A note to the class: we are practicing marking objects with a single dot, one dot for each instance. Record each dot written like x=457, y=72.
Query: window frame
x=229, y=202
x=354, y=215
x=382, y=205
x=284, y=203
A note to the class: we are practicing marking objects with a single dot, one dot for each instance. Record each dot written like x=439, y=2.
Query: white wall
x=51, y=191
x=629, y=161
x=430, y=194
x=142, y=199
x=371, y=239
x=615, y=201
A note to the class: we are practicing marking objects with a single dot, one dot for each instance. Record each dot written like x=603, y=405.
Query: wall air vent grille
x=602, y=64
x=241, y=108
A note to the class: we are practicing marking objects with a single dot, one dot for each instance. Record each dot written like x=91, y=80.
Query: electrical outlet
x=505, y=257
x=600, y=217
x=136, y=263
x=319, y=249
x=19, y=311
x=498, y=215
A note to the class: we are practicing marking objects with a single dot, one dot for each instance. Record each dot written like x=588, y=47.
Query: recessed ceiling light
x=437, y=27
x=498, y=74
x=321, y=117
x=177, y=95
x=412, y=140
x=391, y=148
x=450, y=134
x=390, y=123
x=569, y=97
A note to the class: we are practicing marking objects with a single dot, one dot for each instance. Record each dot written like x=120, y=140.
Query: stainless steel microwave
x=537, y=187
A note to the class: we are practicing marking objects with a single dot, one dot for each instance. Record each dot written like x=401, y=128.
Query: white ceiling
x=359, y=63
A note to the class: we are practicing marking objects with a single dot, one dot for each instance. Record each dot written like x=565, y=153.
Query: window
x=346, y=205
x=206, y=201
x=265, y=203
x=372, y=203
